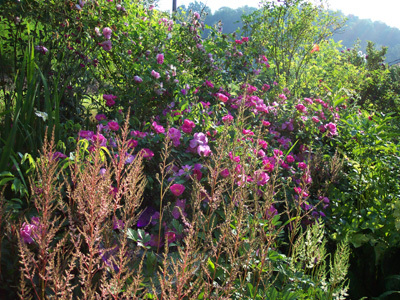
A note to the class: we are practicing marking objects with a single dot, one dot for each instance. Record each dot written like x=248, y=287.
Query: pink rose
x=177, y=189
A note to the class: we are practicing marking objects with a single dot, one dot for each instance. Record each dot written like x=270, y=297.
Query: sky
x=387, y=11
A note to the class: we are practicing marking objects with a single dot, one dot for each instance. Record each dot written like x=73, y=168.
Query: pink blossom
x=239, y=42
x=147, y=153
x=27, y=232
x=245, y=39
x=271, y=212
x=132, y=143
x=297, y=190
x=227, y=119
x=204, y=150
x=137, y=79
x=209, y=84
x=170, y=237
x=315, y=119
x=225, y=173
x=188, y=126
x=107, y=45
x=100, y=117
x=266, y=123
x=86, y=134
x=332, y=128
x=175, y=135
x=222, y=97
x=301, y=108
x=261, y=177
x=158, y=128
x=41, y=49
x=109, y=99
x=155, y=74
x=160, y=58
x=99, y=139
x=107, y=33
x=302, y=165
x=177, y=189
x=113, y=125
x=289, y=159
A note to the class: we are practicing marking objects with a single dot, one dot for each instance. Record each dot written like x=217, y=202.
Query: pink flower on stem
x=155, y=74
x=100, y=117
x=188, y=126
x=147, y=153
x=160, y=58
x=107, y=45
x=107, y=33
x=177, y=189
x=137, y=79
x=222, y=97
x=227, y=119
x=158, y=128
x=302, y=165
x=110, y=99
x=113, y=125
x=245, y=39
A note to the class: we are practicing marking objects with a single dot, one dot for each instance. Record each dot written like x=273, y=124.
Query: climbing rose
x=113, y=125
x=160, y=58
x=107, y=45
x=177, y=189
x=107, y=33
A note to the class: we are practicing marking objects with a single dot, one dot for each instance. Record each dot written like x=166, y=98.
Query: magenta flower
x=227, y=119
x=261, y=177
x=113, y=125
x=107, y=33
x=196, y=15
x=100, y=117
x=301, y=108
x=160, y=58
x=177, y=189
x=315, y=119
x=204, y=150
x=332, y=128
x=239, y=42
x=155, y=74
x=224, y=173
x=245, y=39
x=137, y=79
x=302, y=165
x=107, y=45
x=289, y=159
x=99, y=139
x=28, y=232
x=86, y=134
x=158, y=128
x=209, y=84
x=175, y=135
x=271, y=212
x=222, y=97
x=199, y=139
x=147, y=153
x=110, y=99
x=132, y=143
x=170, y=237
x=188, y=126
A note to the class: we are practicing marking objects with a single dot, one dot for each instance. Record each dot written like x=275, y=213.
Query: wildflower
x=155, y=74
x=261, y=177
x=315, y=119
x=222, y=97
x=147, y=153
x=175, y=135
x=301, y=108
x=99, y=139
x=137, y=79
x=302, y=165
x=113, y=125
x=188, y=126
x=110, y=99
x=100, y=117
x=107, y=45
x=29, y=231
x=227, y=119
x=177, y=189
x=209, y=84
x=224, y=173
x=160, y=58
x=107, y=33
x=332, y=128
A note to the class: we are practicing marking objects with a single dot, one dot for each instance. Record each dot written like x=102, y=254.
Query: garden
x=140, y=160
